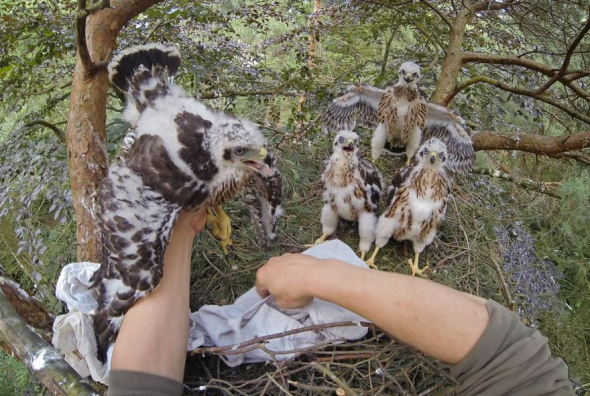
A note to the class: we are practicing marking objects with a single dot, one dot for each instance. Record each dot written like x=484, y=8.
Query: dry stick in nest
x=542, y=187
x=259, y=342
x=503, y=284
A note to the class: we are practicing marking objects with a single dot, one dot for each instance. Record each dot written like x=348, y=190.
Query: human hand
x=191, y=223
x=287, y=278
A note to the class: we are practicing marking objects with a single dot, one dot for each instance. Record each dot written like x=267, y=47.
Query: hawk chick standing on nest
x=352, y=189
x=186, y=156
x=402, y=114
x=419, y=195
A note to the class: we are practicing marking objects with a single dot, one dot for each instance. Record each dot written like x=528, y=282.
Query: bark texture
x=86, y=130
x=39, y=356
x=530, y=142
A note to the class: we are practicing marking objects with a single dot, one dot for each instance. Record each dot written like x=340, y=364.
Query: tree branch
x=531, y=142
x=90, y=67
x=488, y=5
x=58, y=132
x=438, y=12
x=568, y=56
x=519, y=91
x=541, y=187
x=40, y=357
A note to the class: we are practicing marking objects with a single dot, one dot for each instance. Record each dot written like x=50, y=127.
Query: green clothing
x=509, y=359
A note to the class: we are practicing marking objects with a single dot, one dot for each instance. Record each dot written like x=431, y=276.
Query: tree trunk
x=313, y=42
x=86, y=131
x=39, y=357
x=453, y=59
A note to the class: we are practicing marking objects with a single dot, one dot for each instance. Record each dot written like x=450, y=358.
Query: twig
x=333, y=377
x=58, y=132
x=260, y=340
x=541, y=187
x=503, y=284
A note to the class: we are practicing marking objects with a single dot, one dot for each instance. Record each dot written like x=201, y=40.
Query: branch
x=232, y=93
x=58, y=132
x=512, y=60
x=438, y=12
x=39, y=357
x=83, y=12
x=488, y=5
x=541, y=187
x=519, y=91
x=568, y=57
x=530, y=142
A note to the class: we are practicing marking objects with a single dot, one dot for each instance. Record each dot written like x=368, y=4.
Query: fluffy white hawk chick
x=352, y=189
x=185, y=156
x=418, y=202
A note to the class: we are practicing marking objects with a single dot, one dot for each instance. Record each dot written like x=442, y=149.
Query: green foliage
x=14, y=377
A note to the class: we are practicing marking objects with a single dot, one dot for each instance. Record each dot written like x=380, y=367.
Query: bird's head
x=346, y=144
x=433, y=153
x=409, y=74
x=242, y=147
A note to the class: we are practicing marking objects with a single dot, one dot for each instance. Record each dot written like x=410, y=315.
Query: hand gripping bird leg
x=221, y=224
x=414, y=266
x=371, y=261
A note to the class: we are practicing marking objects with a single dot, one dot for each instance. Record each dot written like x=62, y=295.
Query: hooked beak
x=408, y=80
x=349, y=148
x=433, y=156
x=257, y=163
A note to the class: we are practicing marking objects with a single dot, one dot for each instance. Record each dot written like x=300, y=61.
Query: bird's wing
x=373, y=181
x=265, y=203
x=139, y=202
x=359, y=105
x=398, y=179
x=452, y=130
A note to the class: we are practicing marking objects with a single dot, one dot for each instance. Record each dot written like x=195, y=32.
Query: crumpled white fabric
x=252, y=316
x=249, y=317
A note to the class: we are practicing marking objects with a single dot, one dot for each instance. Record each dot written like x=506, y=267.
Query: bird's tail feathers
x=134, y=69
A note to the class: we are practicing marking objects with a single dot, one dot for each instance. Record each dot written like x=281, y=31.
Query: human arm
x=154, y=333
x=437, y=320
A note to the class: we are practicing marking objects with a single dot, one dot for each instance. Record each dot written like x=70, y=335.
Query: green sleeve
x=132, y=383
x=510, y=359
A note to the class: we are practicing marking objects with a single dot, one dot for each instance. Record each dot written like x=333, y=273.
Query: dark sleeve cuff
x=510, y=359
x=133, y=383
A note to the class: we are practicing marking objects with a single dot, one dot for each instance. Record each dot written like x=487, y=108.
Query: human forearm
x=437, y=320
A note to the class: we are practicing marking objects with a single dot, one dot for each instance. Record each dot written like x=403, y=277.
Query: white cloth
x=249, y=317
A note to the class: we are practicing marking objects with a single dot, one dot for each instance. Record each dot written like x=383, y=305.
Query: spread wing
x=373, y=181
x=264, y=198
x=452, y=130
x=359, y=105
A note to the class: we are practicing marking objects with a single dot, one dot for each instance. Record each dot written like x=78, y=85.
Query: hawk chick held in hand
x=185, y=156
x=418, y=202
x=352, y=189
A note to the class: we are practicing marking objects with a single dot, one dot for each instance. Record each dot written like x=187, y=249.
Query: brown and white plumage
x=360, y=106
x=352, y=189
x=401, y=115
x=184, y=156
x=418, y=201
x=264, y=198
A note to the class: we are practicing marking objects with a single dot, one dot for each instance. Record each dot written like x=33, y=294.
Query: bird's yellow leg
x=414, y=266
x=363, y=256
x=408, y=161
x=371, y=261
x=221, y=224
x=318, y=241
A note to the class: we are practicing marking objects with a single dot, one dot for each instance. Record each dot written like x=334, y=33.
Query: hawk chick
x=419, y=195
x=352, y=189
x=185, y=156
x=402, y=114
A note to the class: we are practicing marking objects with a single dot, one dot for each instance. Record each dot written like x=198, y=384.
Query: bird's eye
x=415, y=74
x=239, y=151
x=424, y=152
x=341, y=139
